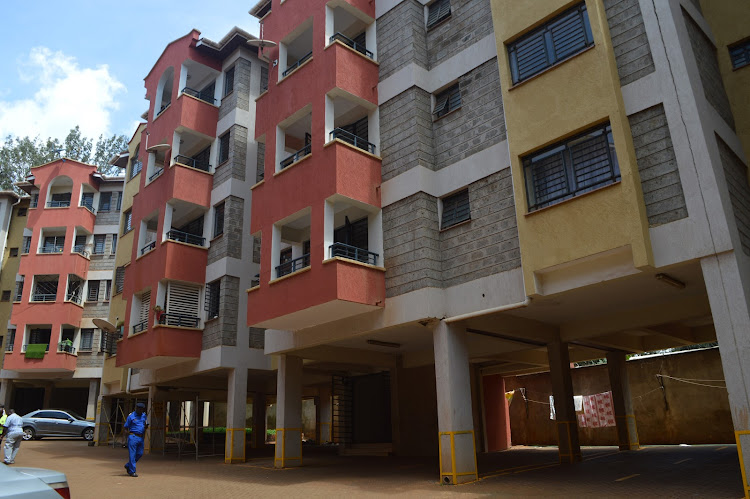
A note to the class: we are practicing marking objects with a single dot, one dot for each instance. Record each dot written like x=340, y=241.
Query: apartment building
x=13, y=212
x=63, y=238
x=186, y=251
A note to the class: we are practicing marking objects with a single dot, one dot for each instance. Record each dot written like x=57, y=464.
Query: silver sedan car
x=56, y=423
x=33, y=483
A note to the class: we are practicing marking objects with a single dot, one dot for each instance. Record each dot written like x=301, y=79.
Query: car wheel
x=28, y=433
x=88, y=434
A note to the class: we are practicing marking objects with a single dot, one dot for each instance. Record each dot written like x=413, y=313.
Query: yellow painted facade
x=567, y=98
x=10, y=268
x=730, y=23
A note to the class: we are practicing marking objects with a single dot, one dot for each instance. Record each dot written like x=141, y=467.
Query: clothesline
x=690, y=382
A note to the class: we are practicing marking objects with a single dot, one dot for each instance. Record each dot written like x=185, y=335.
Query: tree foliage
x=18, y=155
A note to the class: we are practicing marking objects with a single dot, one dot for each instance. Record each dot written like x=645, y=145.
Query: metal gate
x=191, y=430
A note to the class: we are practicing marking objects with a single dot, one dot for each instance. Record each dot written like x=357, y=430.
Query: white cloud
x=65, y=95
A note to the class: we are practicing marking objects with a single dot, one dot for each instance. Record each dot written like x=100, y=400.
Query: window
x=108, y=290
x=19, y=290
x=447, y=101
x=87, y=200
x=218, y=220
x=263, y=79
x=119, y=280
x=26, y=244
x=35, y=200
x=53, y=244
x=79, y=245
x=224, y=148
x=45, y=288
x=228, y=81
x=456, y=209
x=87, y=340
x=14, y=252
x=118, y=195
x=739, y=53
x=438, y=11
x=128, y=222
x=93, y=291
x=6, y=296
x=563, y=36
x=22, y=212
x=114, y=244
x=99, y=240
x=105, y=201
x=213, y=299
x=570, y=168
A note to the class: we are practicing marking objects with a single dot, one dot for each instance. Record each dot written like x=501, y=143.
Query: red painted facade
x=332, y=168
x=496, y=413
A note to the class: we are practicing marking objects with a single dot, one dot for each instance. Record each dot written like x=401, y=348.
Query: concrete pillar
x=325, y=416
x=289, y=412
x=568, y=445
x=627, y=429
x=234, y=450
x=103, y=413
x=93, y=394
x=496, y=413
x=47, y=395
x=458, y=463
x=259, y=420
x=6, y=388
x=728, y=285
x=156, y=408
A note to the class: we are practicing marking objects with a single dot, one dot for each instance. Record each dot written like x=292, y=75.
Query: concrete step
x=382, y=449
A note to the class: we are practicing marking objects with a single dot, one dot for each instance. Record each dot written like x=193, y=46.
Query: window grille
x=224, y=148
x=87, y=340
x=456, y=209
x=53, y=244
x=108, y=290
x=114, y=244
x=740, y=54
x=144, y=305
x=183, y=305
x=87, y=200
x=26, y=244
x=46, y=288
x=438, y=11
x=447, y=101
x=19, y=290
x=93, y=294
x=229, y=81
x=571, y=168
x=128, y=225
x=99, y=241
x=218, y=219
x=119, y=280
x=213, y=299
x=105, y=201
x=552, y=42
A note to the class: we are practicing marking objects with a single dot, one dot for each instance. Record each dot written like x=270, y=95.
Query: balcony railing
x=195, y=163
x=255, y=281
x=353, y=253
x=23, y=347
x=296, y=156
x=89, y=206
x=65, y=348
x=140, y=327
x=351, y=43
x=184, y=237
x=148, y=247
x=156, y=174
x=297, y=64
x=350, y=138
x=34, y=203
x=161, y=109
x=81, y=250
x=51, y=249
x=74, y=298
x=179, y=320
x=205, y=97
x=9, y=347
x=293, y=265
x=44, y=297
x=58, y=204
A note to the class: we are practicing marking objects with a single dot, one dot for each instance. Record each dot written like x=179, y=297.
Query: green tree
x=19, y=154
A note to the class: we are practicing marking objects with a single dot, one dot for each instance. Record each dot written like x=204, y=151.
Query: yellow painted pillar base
x=630, y=442
x=288, y=448
x=458, y=457
x=743, y=437
x=234, y=449
x=565, y=443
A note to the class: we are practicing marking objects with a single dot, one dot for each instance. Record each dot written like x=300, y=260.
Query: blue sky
x=82, y=62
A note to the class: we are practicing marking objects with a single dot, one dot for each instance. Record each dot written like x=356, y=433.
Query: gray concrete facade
x=629, y=40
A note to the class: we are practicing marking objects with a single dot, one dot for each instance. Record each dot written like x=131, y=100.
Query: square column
x=259, y=420
x=6, y=388
x=325, y=417
x=568, y=445
x=156, y=410
x=103, y=410
x=91, y=405
x=728, y=284
x=288, y=412
x=458, y=459
x=234, y=448
x=627, y=429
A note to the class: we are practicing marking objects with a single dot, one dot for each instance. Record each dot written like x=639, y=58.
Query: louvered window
x=87, y=200
x=144, y=305
x=93, y=291
x=114, y=244
x=87, y=340
x=740, y=54
x=573, y=167
x=447, y=101
x=108, y=290
x=438, y=11
x=218, y=220
x=565, y=35
x=128, y=225
x=99, y=241
x=224, y=148
x=183, y=305
x=119, y=280
x=213, y=299
x=456, y=209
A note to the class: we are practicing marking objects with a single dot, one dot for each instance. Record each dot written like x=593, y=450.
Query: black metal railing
x=293, y=265
x=351, y=43
x=9, y=347
x=140, y=327
x=156, y=174
x=205, y=97
x=297, y=64
x=184, y=237
x=195, y=163
x=44, y=297
x=161, y=109
x=51, y=249
x=353, y=253
x=350, y=138
x=255, y=281
x=74, y=298
x=81, y=249
x=58, y=204
x=23, y=347
x=89, y=206
x=296, y=156
x=148, y=247
x=66, y=348
x=179, y=320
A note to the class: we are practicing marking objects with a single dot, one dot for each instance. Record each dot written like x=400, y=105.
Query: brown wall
x=695, y=414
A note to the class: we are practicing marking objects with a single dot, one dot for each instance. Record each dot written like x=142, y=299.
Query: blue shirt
x=135, y=423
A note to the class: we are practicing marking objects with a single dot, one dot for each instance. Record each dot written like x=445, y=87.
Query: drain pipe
x=487, y=311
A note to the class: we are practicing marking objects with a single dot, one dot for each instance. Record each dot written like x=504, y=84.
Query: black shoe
x=134, y=475
x=128, y=470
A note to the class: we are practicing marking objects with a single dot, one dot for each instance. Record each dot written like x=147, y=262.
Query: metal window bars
x=353, y=253
x=163, y=108
x=296, y=156
x=298, y=263
x=351, y=43
x=192, y=162
x=180, y=320
x=45, y=291
x=74, y=297
x=156, y=174
x=350, y=138
x=140, y=327
x=58, y=204
x=148, y=247
x=64, y=347
x=297, y=64
x=198, y=94
x=185, y=237
x=135, y=168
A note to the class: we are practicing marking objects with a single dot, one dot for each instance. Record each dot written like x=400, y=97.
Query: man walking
x=13, y=433
x=136, y=426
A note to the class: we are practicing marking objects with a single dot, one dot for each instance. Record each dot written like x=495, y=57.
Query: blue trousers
x=135, y=451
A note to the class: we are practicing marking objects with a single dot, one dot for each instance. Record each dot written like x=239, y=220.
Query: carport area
x=658, y=471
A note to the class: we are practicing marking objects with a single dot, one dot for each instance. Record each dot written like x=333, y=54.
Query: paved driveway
x=659, y=471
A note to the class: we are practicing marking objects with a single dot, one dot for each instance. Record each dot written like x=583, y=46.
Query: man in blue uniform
x=136, y=426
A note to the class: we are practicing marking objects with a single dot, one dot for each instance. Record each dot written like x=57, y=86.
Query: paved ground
x=659, y=471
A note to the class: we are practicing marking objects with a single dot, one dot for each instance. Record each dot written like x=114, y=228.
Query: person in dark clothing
x=136, y=427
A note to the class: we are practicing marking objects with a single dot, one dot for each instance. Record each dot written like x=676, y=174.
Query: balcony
x=74, y=298
x=163, y=345
x=140, y=327
x=178, y=320
x=56, y=362
x=156, y=174
x=351, y=44
x=297, y=64
x=298, y=155
x=202, y=95
x=341, y=250
x=64, y=347
x=292, y=266
x=197, y=163
x=184, y=237
x=350, y=138
x=58, y=204
x=185, y=262
x=148, y=247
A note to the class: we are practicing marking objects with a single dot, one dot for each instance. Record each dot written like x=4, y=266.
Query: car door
x=45, y=423
x=63, y=424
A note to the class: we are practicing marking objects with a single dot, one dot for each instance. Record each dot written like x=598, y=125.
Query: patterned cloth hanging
x=598, y=411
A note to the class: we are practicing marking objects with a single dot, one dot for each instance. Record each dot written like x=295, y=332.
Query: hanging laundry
x=509, y=396
x=552, y=407
x=578, y=402
x=598, y=411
